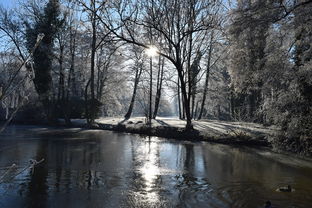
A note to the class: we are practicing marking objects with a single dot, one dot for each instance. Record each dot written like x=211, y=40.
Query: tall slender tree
x=138, y=69
x=160, y=75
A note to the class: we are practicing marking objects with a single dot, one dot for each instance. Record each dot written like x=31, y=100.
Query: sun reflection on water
x=147, y=156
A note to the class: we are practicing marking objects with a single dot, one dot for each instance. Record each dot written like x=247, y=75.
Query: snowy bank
x=204, y=130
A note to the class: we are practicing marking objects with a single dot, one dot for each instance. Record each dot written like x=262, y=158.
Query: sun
x=151, y=51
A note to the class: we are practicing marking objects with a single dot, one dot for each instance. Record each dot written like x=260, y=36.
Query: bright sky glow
x=151, y=51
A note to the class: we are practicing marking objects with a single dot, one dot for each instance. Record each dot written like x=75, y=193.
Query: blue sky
x=8, y=3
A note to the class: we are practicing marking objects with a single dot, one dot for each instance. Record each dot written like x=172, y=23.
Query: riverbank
x=224, y=132
x=240, y=133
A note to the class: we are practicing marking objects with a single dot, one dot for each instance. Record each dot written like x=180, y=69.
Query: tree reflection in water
x=38, y=187
x=106, y=169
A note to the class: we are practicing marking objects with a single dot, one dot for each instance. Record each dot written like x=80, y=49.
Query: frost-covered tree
x=248, y=57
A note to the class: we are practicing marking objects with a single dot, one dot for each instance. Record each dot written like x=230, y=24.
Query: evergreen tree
x=48, y=23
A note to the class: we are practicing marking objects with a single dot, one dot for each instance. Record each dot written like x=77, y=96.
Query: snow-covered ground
x=210, y=127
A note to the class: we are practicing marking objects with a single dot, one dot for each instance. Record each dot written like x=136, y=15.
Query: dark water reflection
x=106, y=169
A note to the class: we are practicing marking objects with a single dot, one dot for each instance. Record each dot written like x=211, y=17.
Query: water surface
x=92, y=168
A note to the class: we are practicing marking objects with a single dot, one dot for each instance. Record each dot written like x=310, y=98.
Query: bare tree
x=138, y=69
x=206, y=77
x=181, y=24
x=22, y=81
x=160, y=75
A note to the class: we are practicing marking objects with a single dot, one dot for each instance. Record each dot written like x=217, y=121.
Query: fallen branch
x=12, y=170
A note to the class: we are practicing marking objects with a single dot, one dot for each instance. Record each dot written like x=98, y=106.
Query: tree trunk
x=179, y=100
x=10, y=117
x=72, y=79
x=86, y=103
x=91, y=103
x=151, y=91
x=71, y=88
x=190, y=45
x=193, y=79
x=93, y=49
x=232, y=105
x=136, y=82
x=206, y=79
x=193, y=103
x=62, y=99
x=196, y=109
x=186, y=100
x=159, y=86
x=61, y=89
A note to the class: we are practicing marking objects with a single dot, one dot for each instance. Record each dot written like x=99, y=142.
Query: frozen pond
x=92, y=168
